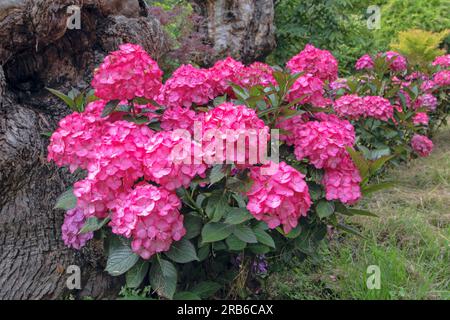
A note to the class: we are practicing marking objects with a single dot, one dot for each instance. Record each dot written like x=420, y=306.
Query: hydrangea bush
x=186, y=182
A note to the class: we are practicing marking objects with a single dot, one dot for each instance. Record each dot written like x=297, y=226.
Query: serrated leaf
x=182, y=251
x=235, y=244
x=324, y=208
x=120, y=258
x=264, y=238
x=136, y=274
x=93, y=224
x=237, y=216
x=215, y=231
x=206, y=289
x=109, y=108
x=67, y=100
x=66, y=200
x=244, y=233
x=193, y=226
x=163, y=278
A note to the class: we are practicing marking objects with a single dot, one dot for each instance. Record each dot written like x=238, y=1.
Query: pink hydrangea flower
x=289, y=126
x=73, y=222
x=77, y=137
x=426, y=100
x=150, y=215
x=237, y=124
x=349, y=106
x=338, y=84
x=422, y=145
x=319, y=63
x=442, y=78
x=378, y=108
x=223, y=73
x=428, y=86
x=343, y=182
x=257, y=73
x=187, y=85
x=308, y=89
x=421, y=118
x=170, y=160
x=324, y=142
x=179, y=118
x=396, y=60
x=365, y=62
x=280, y=198
x=127, y=73
x=443, y=61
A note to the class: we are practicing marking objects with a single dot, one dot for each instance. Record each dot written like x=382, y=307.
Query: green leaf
x=66, y=201
x=217, y=206
x=324, y=208
x=237, y=216
x=136, y=274
x=259, y=248
x=93, y=224
x=109, y=108
x=121, y=258
x=377, y=164
x=182, y=251
x=377, y=187
x=193, y=226
x=186, y=295
x=244, y=233
x=163, y=278
x=359, y=161
x=235, y=244
x=203, y=252
x=216, y=174
x=67, y=100
x=263, y=237
x=206, y=289
x=349, y=229
x=215, y=231
x=294, y=233
x=360, y=212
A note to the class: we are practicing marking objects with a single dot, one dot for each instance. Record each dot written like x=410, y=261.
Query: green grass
x=409, y=242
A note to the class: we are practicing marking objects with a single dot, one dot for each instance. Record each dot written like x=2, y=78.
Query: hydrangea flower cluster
x=257, y=73
x=150, y=215
x=426, y=100
x=187, y=85
x=223, y=73
x=280, y=198
x=396, y=60
x=378, y=108
x=127, y=73
x=422, y=145
x=179, y=118
x=308, y=89
x=235, y=123
x=442, y=78
x=355, y=107
x=442, y=61
x=421, y=118
x=73, y=222
x=349, y=106
x=365, y=62
x=317, y=62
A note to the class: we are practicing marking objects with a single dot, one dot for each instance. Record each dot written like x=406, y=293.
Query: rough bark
x=243, y=29
x=37, y=50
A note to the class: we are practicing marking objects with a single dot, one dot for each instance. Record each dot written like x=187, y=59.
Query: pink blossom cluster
x=170, y=159
x=223, y=73
x=308, y=89
x=442, y=61
x=317, y=62
x=324, y=143
x=442, y=78
x=288, y=127
x=279, y=198
x=355, y=107
x=187, y=86
x=257, y=73
x=150, y=215
x=426, y=100
x=175, y=118
x=73, y=222
x=421, y=118
x=238, y=124
x=396, y=60
x=127, y=73
x=422, y=145
x=365, y=62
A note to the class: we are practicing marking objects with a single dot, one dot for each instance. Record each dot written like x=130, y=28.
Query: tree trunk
x=38, y=50
x=243, y=29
